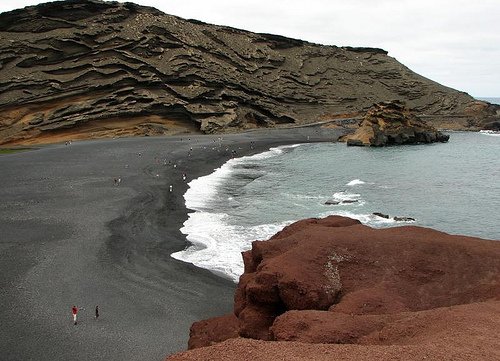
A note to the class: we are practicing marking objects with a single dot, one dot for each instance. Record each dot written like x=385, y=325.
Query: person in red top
x=74, y=311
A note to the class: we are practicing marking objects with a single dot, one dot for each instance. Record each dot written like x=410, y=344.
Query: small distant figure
x=96, y=312
x=171, y=188
x=183, y=176
x=74, y=311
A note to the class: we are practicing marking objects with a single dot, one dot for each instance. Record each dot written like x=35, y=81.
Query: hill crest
x=90, y=69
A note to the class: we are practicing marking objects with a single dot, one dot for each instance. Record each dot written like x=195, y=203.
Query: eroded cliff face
x=391, y=123
x=334, y=281
x=85, y=68
x=342, y=267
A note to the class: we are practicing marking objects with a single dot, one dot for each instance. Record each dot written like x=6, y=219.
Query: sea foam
x=366, y=218
x=215, y=243
x=203, y=189
x=355, y=182
x=490, y=132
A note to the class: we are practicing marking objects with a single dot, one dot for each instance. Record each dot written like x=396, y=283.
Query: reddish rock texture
x=336, y=281
x=217, y=329
x=465, y=332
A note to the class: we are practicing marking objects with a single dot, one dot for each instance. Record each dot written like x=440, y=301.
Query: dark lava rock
x=404, y=219
x=494, y=125
x=381, y=215
x=349, y=201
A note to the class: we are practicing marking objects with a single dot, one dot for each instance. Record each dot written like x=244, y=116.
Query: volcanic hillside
x=89, y=69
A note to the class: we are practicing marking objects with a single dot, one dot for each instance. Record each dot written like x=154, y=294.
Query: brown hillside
x=88, y=68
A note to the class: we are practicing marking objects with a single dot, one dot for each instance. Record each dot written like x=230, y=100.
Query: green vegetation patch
x=11, y=150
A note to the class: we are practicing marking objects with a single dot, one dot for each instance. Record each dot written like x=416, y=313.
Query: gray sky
x=454, y=42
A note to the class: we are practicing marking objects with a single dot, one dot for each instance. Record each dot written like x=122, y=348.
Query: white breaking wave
x=490, y=132
x=203, y=189
x=355, y=182
x=302, y=196
x=217, y=245
x=344, y=196
x=349, y=198
x=214, y=243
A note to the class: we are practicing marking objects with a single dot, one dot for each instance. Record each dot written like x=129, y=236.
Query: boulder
x=404, y=219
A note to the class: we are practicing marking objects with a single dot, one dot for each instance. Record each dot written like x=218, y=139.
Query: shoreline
x=70, y=236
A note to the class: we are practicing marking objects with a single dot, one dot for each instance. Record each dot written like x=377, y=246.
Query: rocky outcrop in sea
x=392, y=123
x=88, y=69
x=335, y=282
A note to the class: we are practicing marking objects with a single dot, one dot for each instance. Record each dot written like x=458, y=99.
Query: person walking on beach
x=74, y=311
x=96, y=312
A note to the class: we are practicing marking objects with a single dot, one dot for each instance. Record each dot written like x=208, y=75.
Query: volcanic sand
x=70, y=236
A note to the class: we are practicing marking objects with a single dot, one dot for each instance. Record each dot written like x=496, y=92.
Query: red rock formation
x=336, y=281
x=465, y=332
x=217, y=329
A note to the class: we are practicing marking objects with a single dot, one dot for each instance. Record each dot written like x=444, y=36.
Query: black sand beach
x=70, y=236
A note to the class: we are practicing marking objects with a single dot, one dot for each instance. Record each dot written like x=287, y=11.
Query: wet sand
x=70, y=235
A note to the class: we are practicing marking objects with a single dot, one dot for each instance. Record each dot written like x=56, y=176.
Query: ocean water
x=453, y=187
x=492, y=100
